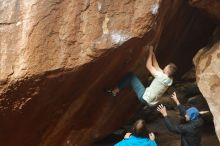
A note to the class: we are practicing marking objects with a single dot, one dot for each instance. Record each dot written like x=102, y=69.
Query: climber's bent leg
x=133, y=80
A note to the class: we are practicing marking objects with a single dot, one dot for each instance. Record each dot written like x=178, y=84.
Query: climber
x=162, y=80
x=190, y=131
x=139, y=136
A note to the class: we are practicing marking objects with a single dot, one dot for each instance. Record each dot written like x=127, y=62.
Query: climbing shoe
x=110, y=92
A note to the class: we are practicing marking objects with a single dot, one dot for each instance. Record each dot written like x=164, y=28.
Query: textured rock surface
x=210, y=6
x=207, y=63
x=57, y=56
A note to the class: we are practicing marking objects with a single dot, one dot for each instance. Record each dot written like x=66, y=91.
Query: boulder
x=58, y=56
x=209, y=6
x=207, y=62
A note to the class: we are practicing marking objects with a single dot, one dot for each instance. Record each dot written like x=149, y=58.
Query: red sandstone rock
x=58, y=56
x=210, y=6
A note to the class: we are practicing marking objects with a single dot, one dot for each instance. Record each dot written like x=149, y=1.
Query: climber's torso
x=157, y=88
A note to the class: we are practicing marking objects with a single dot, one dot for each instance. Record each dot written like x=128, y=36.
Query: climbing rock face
x=58, y=57
x=210, y=6
x=207, y=63
x=54, y=65
x=65, y=34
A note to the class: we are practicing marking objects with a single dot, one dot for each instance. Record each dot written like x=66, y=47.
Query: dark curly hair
x=140, y=129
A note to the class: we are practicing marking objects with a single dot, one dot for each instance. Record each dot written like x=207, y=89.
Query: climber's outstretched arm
x=152, y=64
x=155, y=63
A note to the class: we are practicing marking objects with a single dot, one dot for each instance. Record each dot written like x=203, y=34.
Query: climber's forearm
x=149, y=62
x=155, y=63
x=150, y=66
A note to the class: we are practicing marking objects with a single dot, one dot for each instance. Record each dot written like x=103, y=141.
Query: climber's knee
x=131, y=75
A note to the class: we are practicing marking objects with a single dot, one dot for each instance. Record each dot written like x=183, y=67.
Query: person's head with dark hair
x=140, y=129
x=139, y=136
x=170, y=69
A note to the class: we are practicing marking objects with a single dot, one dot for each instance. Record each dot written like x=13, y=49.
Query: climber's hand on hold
x=162, y=109
x=127, y=135
x=151, y=136
x=148, y=49
x=151, y=49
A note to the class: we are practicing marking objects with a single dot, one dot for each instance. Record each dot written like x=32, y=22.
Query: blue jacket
x=136, y=141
